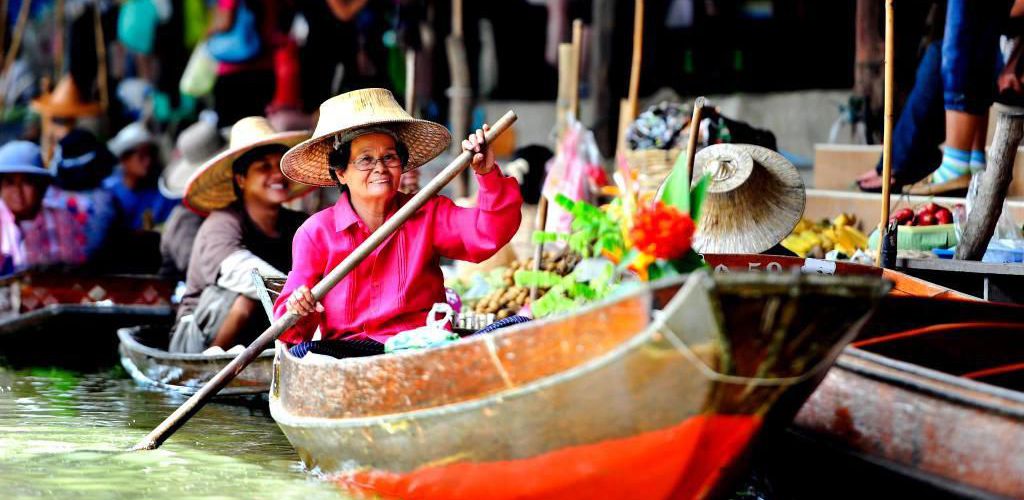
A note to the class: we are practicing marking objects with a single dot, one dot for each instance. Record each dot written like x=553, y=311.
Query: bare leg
x=981, y=134
x=961, y=129
x=241, y=309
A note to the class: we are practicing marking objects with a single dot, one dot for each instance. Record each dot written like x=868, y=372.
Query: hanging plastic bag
x=197, y=19
x=570, y=173
x=1007, y=243
x=434, y=334
x=241, y=42
x=200, y=73
x=136, y=25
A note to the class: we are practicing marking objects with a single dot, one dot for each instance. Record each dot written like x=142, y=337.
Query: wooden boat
x=611, y=401
x=921, y=398
x=77, y=314
x=144, y=356
x=902, y=284
x=941, y=403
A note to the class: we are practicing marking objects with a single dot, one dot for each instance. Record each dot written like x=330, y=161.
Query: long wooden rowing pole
x=691, y=144
x=184, y=412
x=890, y=53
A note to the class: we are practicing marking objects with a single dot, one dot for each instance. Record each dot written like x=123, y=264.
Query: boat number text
x=773, y=267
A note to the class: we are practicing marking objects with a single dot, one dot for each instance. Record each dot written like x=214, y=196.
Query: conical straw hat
x=307, y=162
x=65, y=101
x=755, y=199
x=212, y=186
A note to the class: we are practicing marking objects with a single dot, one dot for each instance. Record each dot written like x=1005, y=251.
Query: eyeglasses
x=368, y=162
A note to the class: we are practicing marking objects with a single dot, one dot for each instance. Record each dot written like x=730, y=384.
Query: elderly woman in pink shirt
x=363, y=143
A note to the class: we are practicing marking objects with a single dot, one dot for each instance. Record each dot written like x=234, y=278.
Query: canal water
x=65, y=434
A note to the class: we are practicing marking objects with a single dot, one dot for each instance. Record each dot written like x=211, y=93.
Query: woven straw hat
x=755, y=199
x=65, y=101
x=212, y=186
x=307, y=162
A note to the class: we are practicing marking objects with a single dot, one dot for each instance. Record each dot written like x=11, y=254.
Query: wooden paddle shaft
x=538, y=253
x=890, y=53
x=691, y=145
x=638, y=49
x=180, y=416
x=577, y=62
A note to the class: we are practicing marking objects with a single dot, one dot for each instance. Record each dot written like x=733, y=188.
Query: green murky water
x=65, y=434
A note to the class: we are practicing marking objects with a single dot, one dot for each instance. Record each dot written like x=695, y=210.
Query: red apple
x=903, y=216
x=944, y=216
x=926, y=219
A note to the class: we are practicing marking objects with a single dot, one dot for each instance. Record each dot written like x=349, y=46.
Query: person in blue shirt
x=139, y=204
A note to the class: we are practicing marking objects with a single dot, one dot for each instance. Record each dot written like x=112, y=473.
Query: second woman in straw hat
x=242, y=189
x=363, y=143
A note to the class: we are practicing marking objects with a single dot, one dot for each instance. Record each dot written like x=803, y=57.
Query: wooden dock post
x=994, y=182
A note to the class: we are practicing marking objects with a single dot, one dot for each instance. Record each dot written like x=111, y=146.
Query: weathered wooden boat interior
x=144, y=355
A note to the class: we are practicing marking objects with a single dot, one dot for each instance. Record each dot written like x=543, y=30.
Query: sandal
x=956, y=187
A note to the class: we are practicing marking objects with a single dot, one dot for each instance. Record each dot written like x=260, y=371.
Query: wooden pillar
x=604, y=103
x=460, y=93
x=867, y=69
x=58, y=40
x=563, y=103
x=577, y=63
x=995, y=180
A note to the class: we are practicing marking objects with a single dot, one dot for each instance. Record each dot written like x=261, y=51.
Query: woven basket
x=652, y=167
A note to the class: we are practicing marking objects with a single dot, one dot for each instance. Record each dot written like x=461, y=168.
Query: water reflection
x=64, y=435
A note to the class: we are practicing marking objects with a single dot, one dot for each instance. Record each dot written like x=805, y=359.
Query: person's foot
x=956, y=186
x=868, y=175
x=872, y=183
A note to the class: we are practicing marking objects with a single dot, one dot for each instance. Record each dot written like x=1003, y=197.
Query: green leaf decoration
x=690, y=262
x=564, y=202
x=676, y=192
x=539, y=279
x=554, y=301
x=697, y=195
x=545, y=237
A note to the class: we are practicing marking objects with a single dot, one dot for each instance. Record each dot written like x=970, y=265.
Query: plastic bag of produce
x=575, y=161
x=1007, y=242
x=434, y=334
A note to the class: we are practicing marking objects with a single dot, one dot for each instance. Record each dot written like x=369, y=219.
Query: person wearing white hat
x=32, y=235
x=195, y=145
x=363, y=143
x=139, y=205
x=242, y=189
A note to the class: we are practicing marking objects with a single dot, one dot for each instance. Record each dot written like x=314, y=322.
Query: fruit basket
x=925, y=228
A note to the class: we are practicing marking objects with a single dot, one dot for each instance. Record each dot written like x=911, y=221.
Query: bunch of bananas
x=810, y=239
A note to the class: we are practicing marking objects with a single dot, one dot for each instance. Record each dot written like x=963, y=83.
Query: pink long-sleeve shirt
x=395, y=287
